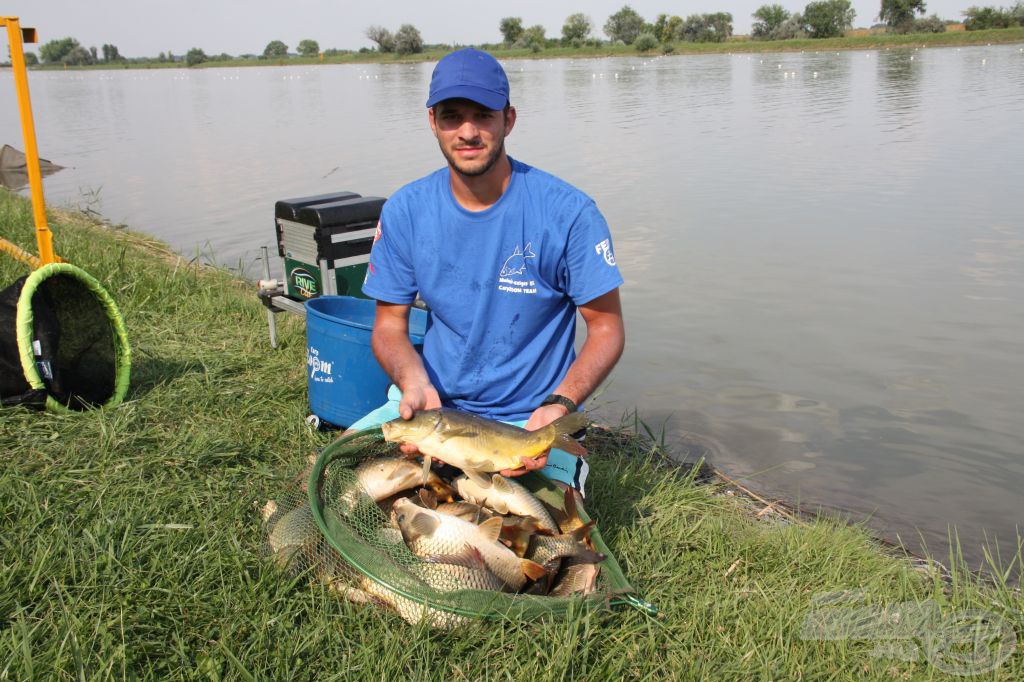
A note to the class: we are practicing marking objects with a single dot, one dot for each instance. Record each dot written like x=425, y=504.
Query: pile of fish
x=469, y=528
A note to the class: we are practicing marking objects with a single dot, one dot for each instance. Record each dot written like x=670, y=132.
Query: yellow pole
x=35, y=179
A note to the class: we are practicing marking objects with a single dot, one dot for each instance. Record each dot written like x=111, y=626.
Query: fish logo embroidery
x=604, y=248
x=516, y=263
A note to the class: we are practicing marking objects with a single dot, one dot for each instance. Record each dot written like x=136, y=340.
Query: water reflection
x=899, y=90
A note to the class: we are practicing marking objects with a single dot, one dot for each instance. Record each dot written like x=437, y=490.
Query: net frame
x=358, y=555
x=25, y=321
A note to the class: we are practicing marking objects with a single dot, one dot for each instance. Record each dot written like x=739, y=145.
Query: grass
x=740, y=44
x=130, y=538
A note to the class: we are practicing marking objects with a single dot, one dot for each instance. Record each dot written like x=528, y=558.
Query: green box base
x=303, y=280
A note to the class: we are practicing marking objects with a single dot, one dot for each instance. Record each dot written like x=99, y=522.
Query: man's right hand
x=415, y=398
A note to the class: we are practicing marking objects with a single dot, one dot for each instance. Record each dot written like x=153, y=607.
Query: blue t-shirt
x=502, y=284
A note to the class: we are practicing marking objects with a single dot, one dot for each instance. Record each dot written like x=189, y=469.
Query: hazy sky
x=146, y=28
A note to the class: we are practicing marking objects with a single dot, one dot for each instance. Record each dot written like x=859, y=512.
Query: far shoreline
x=737, y=45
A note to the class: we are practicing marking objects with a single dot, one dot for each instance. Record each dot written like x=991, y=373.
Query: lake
x=823, y=252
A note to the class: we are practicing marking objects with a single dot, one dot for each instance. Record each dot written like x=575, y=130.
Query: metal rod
x=44, y=238
x=271, y=322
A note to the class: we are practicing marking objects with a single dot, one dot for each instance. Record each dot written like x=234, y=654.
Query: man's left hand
x=541, y=417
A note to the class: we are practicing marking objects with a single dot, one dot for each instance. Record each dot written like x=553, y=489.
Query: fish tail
x=564, y=428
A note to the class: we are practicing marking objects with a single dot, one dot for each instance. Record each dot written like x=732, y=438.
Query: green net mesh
x=328, y=528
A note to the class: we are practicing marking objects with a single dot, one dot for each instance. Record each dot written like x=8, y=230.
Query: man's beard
x=488, y=163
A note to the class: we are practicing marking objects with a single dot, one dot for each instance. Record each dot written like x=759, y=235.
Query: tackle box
x=325, y=241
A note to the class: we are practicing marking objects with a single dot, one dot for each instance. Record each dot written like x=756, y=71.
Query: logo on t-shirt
x=515, y=266
x=604, y=248
x=516, y=263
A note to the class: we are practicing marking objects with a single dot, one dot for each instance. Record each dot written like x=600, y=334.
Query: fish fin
x=532, y=570
x=528, y=252
x=460, y=508
x=491, y=528
x=423, y=525
x=517, y=536
x=428, y=498
x=572, y=515
x=582, y=533
x=477, y=477
x=395, y=470
x=571, y=423
x=527, y=523
x=567, y=443
x=501, y=485
x=426, y=469
x=469, y=557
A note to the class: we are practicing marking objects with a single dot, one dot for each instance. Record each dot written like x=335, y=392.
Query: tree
x=769, y=19
x=658, y=28
x=275, y=49
x=195, y=56
x=791, y=28
x=719, y=26
x=31, y=59
x=979, y=18
x=533, y=38
x=408, y=40
x=309, y=48
x=645, y=42
x=111, y=54
x=511, y=29
x=624, y=25
x=78, y=56
x=932, y=24
x=828, y=18
x=673, y=29
x=55, y=50
x=380, y=35
x=898, y=15
x=706, y=28
x=576, y=27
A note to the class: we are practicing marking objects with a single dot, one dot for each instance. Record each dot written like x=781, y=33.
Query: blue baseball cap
x=469, y=74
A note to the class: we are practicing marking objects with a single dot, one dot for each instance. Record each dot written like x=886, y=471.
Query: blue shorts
x=561, y=466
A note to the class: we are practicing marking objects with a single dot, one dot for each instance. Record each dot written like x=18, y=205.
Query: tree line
x=818, y=19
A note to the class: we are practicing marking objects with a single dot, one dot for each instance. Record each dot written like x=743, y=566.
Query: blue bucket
x=345, y=381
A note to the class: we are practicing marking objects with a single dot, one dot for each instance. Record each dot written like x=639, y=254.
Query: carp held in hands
x=371, y=532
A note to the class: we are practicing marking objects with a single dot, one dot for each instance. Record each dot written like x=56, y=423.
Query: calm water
x=824, y=253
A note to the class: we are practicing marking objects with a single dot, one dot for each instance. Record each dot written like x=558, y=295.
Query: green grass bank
x=130, y=538
x=740, y=44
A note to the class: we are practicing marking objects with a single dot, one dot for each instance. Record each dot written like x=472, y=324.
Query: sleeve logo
x=604, y=248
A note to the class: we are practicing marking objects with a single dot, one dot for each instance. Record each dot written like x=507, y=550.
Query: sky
x=142, y=28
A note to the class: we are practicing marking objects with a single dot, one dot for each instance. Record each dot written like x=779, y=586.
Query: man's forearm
x=595, y=361
x=399, y=359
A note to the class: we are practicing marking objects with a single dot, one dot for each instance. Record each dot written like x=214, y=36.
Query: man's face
x=471, y=136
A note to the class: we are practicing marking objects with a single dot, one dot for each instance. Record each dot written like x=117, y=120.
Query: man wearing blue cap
x=504, y=255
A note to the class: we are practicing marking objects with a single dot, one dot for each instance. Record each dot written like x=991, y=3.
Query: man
x=504, y=255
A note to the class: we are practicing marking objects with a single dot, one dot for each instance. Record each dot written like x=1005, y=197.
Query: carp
x=473, y=443
x=504, y=496
x=430, y=534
